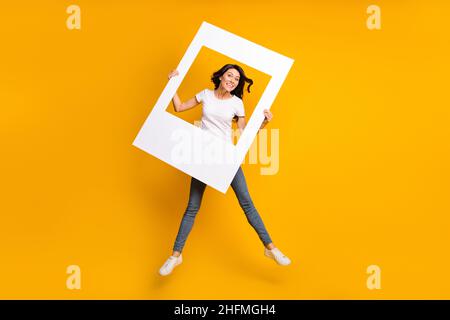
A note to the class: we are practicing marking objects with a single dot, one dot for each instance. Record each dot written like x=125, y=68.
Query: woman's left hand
x=268, y=115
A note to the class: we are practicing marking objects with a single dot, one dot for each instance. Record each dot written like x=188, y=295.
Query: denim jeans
x=239, y=186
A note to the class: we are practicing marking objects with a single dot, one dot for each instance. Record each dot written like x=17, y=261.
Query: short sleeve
x=240, y=111
x=200, y=96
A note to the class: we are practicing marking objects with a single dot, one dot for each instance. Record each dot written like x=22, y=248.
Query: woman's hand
x=172, y=73
x=267, y=117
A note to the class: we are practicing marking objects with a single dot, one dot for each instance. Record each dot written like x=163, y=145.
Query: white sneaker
x=277, y=255
x=170, y=264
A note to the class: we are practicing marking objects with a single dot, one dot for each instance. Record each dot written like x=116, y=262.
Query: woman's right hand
x=173, y=73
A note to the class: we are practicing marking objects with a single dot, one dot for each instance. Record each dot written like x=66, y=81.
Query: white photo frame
x=158, y=134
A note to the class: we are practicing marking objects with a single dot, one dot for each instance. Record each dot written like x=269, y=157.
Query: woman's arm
x=241, y=124
x=178, y=105
x=183, y=106
x=267, y=117
x=241, y=121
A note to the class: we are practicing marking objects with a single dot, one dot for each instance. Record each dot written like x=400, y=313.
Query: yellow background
x=364, y=153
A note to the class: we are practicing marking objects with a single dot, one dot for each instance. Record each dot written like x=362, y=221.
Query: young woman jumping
x=220, y=107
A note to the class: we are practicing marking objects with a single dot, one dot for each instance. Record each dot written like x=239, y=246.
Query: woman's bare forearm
x=263, y=125
x=183, y=106
x=177, y=104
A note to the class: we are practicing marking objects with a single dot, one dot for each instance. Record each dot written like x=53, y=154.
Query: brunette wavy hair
x=239, y=90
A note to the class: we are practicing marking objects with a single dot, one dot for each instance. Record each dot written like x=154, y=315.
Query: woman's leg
x=195, y=199
x=239, y=186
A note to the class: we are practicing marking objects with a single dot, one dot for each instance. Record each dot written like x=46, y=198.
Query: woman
x=220, y=107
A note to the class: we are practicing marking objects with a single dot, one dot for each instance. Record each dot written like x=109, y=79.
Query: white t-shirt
x=218, y=113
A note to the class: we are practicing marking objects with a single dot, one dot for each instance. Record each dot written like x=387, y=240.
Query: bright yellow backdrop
x=364, y=153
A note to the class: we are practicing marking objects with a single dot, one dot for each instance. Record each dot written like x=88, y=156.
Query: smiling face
x=230, y=79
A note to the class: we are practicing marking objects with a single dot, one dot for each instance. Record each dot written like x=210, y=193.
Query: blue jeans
x=195, y=199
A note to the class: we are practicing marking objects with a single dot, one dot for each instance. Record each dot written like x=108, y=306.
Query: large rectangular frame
x=155, y=136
